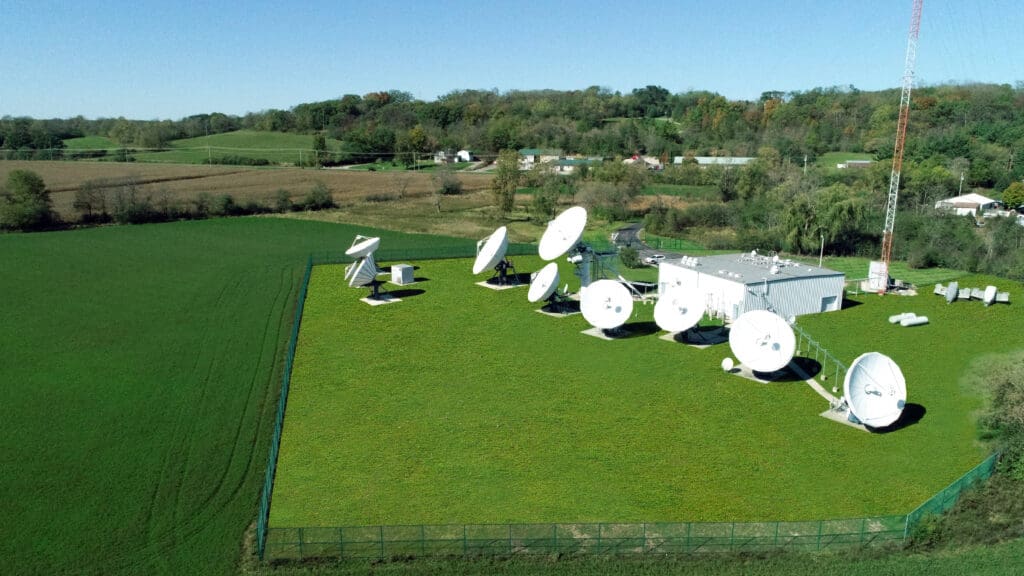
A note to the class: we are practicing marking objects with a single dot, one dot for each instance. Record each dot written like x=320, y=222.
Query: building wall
x=730, y=297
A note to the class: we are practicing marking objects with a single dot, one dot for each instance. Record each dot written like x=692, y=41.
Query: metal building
x=732, y=284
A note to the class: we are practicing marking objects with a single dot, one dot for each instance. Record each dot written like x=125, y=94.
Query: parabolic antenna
x=990, y=295
x=544, y=284
x=351, y=268
x=606, y=304
x=362, y=246
x=563, y=233
x=763, y=341
x=364, y=273
x=951, y=292
x=875, y=389
x=678, y=310
x=491, y=250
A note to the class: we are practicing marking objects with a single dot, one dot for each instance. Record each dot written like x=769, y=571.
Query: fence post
x=820, y=522
x=644, y=549
x=381, y=534
x=300, y=544
x=509, y=538
x=776, y=543
x=732, y=536
x=341, y=542
x=423, y=540
x=598, y=536
x=465, y=543
x=554, y=532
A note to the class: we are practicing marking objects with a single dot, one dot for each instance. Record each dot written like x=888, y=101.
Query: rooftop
x=751, y=268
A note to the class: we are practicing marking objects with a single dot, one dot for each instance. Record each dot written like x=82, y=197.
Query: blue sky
x=157, y=60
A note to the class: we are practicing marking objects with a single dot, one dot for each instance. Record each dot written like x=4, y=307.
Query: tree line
x=980, y=126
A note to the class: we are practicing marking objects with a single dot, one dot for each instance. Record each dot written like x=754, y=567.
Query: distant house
x=705, y=161
x=443, y=157
x=966, y=204
x=530, y=157
x=854, y=164
x=649, y=162
x=463, y=156
x=569, y=165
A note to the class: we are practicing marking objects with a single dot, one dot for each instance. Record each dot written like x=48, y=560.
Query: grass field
x=90, y=143
x=830, y=159
x=462, y=405
x=140, y=375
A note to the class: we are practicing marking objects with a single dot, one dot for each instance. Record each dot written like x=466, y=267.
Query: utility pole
x=960, y=192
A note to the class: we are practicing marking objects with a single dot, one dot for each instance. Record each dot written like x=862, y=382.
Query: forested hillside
x=975, y=127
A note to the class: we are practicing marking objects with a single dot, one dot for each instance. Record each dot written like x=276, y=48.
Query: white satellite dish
x=351, y=268
x=952, y=291
x=606, y=304
x=544, y=283
x=491, y=250
x=563, y=233
x=762, y=341
x=990, y=295
x=875, y=389
x=678, y=310
x=362, y=246
x=363, y=273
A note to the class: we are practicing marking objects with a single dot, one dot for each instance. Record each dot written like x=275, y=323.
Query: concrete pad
x=486, y=284
x=384, y=299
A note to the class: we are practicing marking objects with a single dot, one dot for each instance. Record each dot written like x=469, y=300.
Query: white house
x=967, y=204
x=731, y=284
x=530, y=157
x=649, y=162
x=705, y=161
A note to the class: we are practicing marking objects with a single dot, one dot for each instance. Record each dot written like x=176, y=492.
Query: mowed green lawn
x=463, y=405
x=140, y=374
x=276, y=147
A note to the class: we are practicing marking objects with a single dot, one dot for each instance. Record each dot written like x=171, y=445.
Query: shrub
x=319, y=198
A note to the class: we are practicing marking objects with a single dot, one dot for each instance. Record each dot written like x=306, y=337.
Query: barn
x=731, y=284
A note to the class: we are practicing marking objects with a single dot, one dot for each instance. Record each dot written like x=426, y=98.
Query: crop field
x=463, y=405
x=140, y=376
x=185, y=182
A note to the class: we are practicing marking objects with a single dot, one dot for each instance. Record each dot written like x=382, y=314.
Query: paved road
x=629, y=235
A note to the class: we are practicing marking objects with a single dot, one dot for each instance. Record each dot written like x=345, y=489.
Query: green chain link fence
x=381, y=542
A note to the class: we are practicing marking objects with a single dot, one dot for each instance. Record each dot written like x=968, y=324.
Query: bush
x=25, y=202
x=283, y=201
x=319, y=198
x=630, y=257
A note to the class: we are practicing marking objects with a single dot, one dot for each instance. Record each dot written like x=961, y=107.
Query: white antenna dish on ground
x=952, y=291
x=606, y=304
x=563, y=233
x=544, y=284
x=875, y=389
x=364, y=272
x=362, y=246
x=990, y=295
x=678, y=310
x=351, y=268
x=763, y=341
x=491, y=250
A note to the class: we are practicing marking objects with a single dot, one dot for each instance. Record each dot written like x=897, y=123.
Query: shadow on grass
x=783, y=375
x=564, y=308
x=912, y=414
x=406, y=293
x=847, y=303
x=703, y=335
x=636, y=329
x=522, y=278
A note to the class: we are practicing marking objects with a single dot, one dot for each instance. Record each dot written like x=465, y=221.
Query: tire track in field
x=159, y=538
x=283, y=288
x=159, y=544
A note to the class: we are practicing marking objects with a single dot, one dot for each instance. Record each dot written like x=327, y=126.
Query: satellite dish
x=351, y=268
x=362, y=246
x=363, y=273
x=678, y=310
x=727, y=364
x=763, y=341
x=875, y=389
x=606, y=304
x=990, y=295
x=544, y=284
x=491, y=250
x=952, y=291
x=563, y=233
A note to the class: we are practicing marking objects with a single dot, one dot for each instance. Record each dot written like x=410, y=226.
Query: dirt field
x=186, y=182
